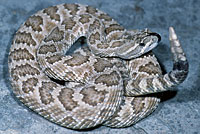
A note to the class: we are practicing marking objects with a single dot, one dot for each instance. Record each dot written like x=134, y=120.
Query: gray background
x=177, y=114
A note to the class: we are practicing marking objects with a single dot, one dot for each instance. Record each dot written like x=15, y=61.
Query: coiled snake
x=104, y=82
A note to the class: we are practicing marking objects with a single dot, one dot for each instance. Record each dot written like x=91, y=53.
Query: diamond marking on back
x=103, y=82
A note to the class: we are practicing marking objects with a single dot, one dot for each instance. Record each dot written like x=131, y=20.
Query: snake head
x=137, y=43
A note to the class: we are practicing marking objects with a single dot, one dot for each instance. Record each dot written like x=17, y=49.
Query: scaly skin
x=93, y=92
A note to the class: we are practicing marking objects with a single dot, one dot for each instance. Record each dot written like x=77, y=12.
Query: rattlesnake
x=106, y=82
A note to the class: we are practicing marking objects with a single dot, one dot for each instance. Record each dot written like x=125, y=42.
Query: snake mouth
x=157, y=35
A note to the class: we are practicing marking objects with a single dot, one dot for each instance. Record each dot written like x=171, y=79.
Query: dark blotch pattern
x=52, y=12
x=73, y=8
x=137, y=104
x=69, y=23
x=34, y=22
x=47, y=49
x=150, y=68
x=21, y=54
x=76, y=60
x=93, y=97
x=105, y=17
x=54, y=59
x=95, y=25
x=29, y=85
x=101, y=64
x=114, y=27
x=23, y=37
x=56, y=35
x=66, y=98
x=84, y=18
x=91, y=10
x=108, y=79
x=23, y=70
x=45, y=92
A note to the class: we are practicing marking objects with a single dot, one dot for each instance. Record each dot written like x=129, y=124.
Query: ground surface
x=179, y=113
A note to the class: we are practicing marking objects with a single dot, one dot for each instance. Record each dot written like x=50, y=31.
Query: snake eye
x=158, y=36
x=142, y=44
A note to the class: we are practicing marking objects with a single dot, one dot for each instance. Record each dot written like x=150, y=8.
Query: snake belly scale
x=104, y=81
